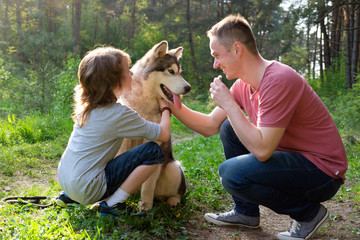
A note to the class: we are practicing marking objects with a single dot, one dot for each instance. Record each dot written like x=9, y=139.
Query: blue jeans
x=118, y=169
x=287, y=183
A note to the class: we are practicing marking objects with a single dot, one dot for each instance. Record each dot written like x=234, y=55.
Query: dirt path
x=343, y=220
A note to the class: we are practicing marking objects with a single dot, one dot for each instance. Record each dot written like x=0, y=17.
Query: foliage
x=347, y=107
x=37, y=41
x=343, y=104
x=65, y=83
x=32, y=144
x=296, y=59
x=5, y=78
x=27, y=91
x=32, y=129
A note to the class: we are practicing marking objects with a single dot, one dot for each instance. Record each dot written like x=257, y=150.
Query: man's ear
x=237, y=47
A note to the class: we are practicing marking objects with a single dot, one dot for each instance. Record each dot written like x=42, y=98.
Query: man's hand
x=220, y=94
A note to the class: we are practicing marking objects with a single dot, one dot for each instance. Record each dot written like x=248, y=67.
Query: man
x=286, y=154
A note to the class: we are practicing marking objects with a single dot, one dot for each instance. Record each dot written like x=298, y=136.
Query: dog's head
x=160, y=68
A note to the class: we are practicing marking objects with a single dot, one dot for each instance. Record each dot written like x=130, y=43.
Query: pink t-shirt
x=285, y=99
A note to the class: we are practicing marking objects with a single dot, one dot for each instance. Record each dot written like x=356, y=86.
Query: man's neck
x=255, y=70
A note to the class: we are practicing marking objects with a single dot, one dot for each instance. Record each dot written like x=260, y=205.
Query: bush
x=65, y=83
x=33, y=128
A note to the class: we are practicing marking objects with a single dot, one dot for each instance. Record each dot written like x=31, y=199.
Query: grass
x=79, y=222
x=30, y=160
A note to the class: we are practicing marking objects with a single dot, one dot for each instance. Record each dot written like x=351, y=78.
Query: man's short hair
x=234, y=28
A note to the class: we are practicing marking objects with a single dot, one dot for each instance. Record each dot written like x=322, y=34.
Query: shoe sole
x=221, y=223
x=324, y=218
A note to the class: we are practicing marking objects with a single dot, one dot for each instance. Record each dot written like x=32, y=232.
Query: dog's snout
x=187, y=88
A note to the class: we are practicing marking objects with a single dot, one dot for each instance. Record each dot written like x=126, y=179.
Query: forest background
x=42, y=42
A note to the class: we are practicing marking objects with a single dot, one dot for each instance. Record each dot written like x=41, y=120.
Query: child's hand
x=162, y=103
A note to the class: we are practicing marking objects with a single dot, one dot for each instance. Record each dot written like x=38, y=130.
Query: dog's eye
x=171, y=71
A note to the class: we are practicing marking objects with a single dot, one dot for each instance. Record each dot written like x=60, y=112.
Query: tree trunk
x=230, y=6
x=334, y=27
x=321, y=60
x=315, y=52
x=338, y=35
x=41, y=14
x=347, y=46
x=133, y=20
x=96, y=27
x=50, y=16
x=76, y=27
x=326, y=44
x=308, y=59
x=355, y=46
x=325, y=36
x=6, y=26
x=19, y=28
x=191, y=43
x=107, y=26
x=220, y=9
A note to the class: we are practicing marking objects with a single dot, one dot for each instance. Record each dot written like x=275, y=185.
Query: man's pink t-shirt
x=285, y=99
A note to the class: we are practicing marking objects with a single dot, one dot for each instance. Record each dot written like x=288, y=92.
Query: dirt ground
x=343, y=223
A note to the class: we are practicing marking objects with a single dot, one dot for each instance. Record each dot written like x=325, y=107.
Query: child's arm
x=164, y=122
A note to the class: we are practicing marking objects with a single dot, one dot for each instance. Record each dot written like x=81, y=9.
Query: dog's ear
x=177, y=52
x=160, y=49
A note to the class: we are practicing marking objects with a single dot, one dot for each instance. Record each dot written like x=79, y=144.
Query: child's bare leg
x=131, y=184
x=137, y=177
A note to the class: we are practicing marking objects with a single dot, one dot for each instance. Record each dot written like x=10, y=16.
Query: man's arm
x=260, y=141
x=205, y=124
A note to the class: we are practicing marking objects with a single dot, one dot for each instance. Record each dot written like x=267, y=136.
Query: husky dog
x=157, y=75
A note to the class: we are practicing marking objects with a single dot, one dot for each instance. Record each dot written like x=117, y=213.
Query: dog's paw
x=145, y=206
x=173, y=201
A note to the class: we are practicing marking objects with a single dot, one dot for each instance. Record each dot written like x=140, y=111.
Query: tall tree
x=6, y=24
x=40, y=6
x=190, y=40
x=348, y=36
x=133, y=19
x=355, y=42
x=76, y=24
x=19, y=28
x=324, y=31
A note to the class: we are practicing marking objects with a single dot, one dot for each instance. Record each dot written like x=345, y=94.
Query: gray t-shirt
x=81, y=170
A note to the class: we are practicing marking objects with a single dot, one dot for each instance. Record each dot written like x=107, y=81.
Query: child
x=89, y=170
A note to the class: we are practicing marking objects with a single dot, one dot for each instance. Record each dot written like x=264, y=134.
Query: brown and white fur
x=157, y=75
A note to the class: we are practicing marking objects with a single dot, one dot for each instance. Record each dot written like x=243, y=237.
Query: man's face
x=224, y=59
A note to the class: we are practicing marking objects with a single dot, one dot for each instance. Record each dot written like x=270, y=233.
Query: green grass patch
x=30, y=158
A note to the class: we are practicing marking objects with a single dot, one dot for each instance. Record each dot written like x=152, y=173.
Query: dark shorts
x=118, y=169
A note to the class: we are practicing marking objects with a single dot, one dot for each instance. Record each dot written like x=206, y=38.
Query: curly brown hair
x=234, y=28
x=100, y=71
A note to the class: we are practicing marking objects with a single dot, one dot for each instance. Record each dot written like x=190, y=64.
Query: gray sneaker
x=233, y=218
x=305, y=230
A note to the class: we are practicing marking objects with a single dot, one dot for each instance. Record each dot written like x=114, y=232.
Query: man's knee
x=228, y=176
x=233, y=176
